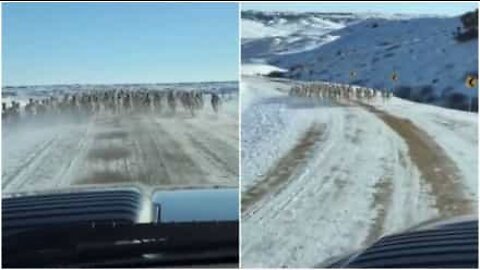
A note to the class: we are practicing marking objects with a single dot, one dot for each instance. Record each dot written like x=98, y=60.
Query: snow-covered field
x=320, y=180
x=147, y=149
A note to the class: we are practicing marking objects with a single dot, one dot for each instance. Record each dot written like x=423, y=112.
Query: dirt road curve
x=437, y=171
x=348, y=175
x=436, y=168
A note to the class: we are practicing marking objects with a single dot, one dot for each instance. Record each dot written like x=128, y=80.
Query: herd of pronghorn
x=115, y=101
x=338, y=92
x=122, y=100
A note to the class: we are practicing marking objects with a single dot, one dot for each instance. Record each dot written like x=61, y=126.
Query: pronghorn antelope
x=215, y=101
x=110, y=101
x=337, y=92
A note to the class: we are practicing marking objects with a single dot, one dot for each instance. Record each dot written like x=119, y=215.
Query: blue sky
x=443, y=8
x=53, y=43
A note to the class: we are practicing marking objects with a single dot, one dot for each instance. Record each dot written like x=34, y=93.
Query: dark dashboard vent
x=85, y=207
x=449, y=246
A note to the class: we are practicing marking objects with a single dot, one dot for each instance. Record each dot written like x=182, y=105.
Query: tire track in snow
x=381, y=202
x=151, y=167
x=163, y=160
x=136, y=148
x=46, y=165
x=184, y=169
x=219, y=149
x=230, y=167
x=277, y=177
x=382, y=190
x=216, y=156
x=30, y=160
x=436, y=168
x=146, y=154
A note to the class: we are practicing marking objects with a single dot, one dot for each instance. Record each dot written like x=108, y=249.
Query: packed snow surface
x=145, y=148
x=321, y=179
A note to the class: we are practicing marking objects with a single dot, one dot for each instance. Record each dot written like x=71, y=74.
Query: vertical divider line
x=239, y=7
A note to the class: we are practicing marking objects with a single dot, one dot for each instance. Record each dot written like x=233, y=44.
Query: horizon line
x=130, y=83
x=356, y=12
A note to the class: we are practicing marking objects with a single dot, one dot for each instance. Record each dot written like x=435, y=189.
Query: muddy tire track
x=181, y=167
x=436, y=168
x=151, y=168
x=141, y=151
x=381, y=203
x=277, y=177
x=382, y=198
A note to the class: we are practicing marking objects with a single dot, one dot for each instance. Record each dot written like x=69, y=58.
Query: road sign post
x=394, y=78
x=471, y=82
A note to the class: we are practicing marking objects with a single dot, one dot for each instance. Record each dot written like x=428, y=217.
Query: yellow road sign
x=471, y=81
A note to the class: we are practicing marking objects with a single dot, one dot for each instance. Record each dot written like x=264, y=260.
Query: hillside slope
x=430, y=63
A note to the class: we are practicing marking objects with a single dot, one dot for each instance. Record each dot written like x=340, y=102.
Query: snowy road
x=133, y=148
x=331, y=178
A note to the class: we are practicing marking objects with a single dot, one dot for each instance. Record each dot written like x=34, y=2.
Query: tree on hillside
x=470, y=26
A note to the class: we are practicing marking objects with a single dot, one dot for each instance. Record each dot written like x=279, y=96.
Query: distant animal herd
x=333, y=92
x=114, y=101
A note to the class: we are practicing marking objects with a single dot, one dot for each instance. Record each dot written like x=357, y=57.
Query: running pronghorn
x=111, y=102
x=337, y=92
x=215, y=101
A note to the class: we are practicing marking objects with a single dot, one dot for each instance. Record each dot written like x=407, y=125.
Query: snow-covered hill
x=264, y=33
x=430, y=63
x=321, y=178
